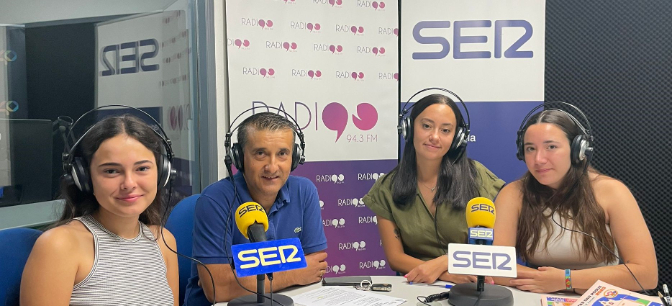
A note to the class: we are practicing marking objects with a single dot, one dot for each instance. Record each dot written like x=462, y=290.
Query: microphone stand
x=257, y=234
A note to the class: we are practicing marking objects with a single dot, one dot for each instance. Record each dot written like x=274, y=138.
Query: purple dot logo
x=396, y=31
x=265, y=23
x=396, y=76
x=335, y=118
x=336, y=2
x=289, y=45
x=241, y=43
x=366, y=118
x=289, y=1
x=356, y=75
x=378, y=5
x=336, y=48
x=355, y=29
x=316, y=26
x=378, y=51
x=264, y=72
x=314, y=74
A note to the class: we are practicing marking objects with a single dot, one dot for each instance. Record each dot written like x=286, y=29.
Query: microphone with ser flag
x=481, y=260
x=261, y=257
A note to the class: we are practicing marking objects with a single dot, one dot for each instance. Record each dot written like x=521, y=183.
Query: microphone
x=262, y=257
x=252, y=221
x=481, y=260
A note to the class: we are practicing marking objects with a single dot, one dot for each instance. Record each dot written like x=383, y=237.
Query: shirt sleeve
x=313, y=238
x=211, y=239
x=490, y=183
x=379, y=198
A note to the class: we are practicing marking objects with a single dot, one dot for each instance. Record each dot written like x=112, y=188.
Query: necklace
x=430, y=188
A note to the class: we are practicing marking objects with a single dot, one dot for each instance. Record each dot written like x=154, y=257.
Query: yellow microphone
x=252, y=221
x=481, y=213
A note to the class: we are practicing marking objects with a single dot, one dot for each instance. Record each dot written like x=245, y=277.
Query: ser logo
x=459, y=39
x=135, y=54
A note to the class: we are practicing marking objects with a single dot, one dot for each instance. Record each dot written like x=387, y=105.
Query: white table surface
x=400, y=288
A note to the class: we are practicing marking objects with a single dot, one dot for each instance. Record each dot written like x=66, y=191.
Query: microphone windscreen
x=480, y=212
x=248, y=214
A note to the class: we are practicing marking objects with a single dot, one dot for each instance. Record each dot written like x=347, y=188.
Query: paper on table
x=332, y=296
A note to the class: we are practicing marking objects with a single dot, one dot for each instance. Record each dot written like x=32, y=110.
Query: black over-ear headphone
x=234, y=153
x=76, y=169
x=459, y=143
x=582, y=144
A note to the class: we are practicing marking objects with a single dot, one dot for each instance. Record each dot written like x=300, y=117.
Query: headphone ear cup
x=165, y=170
x=297, y=157
x=579, y=146
x=459, y=142
x=406, y=128
x=237, y=156
x=80, y=175
x=519, y=145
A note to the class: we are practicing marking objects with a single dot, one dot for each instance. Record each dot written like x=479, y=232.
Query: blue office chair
x=181, y=223
x=16, y=244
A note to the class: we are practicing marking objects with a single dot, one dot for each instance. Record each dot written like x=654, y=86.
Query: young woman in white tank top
x=561, y=194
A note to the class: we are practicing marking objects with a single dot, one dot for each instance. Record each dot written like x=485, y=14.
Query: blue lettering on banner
x=111, y=59
x=461, y=260
x=459, y=39
x=268, y=256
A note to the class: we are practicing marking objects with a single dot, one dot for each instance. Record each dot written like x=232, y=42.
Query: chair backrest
x=15, y=246
x=181, y=223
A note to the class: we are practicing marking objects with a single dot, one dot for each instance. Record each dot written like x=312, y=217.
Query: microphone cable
x=604, y=246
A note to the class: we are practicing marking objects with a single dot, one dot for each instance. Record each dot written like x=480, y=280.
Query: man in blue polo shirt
x=264, y=156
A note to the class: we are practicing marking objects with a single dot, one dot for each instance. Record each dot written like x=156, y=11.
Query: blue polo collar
x=281, y=200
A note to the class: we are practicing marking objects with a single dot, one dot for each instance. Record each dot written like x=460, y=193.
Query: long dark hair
x=78, y=203
x=574, y=199
x=457, y=173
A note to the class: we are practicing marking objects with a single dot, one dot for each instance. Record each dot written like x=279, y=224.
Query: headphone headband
x=162, y=135
x=234, y=152
x=587, y=132
x=405, y=110
x=77, y=170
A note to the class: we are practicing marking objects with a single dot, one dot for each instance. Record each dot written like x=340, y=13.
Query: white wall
x=29, y=11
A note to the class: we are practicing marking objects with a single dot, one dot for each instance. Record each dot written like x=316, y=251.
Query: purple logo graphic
x=335, y=117
x=241, y=43
x=265, y=72
x=9, y=107
x=310, y=26
x=177, y=118
x=377, y=50
x=289, y=1
x=356, y=75
x=8, y=56
x=368, y=117
x=377, y=5
x=336, y=48
x=335, y=2
x=315, y=73
x=396, y=31
x=355, y=29
x=287, y=45
x=265, y=23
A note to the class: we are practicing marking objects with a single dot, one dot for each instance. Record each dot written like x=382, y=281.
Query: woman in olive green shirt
x=420, y=204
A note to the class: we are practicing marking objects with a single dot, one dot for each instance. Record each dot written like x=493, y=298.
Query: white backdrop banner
x=486, y=51
x=331, y=64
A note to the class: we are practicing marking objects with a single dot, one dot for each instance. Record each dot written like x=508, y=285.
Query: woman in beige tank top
x=560, y=194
